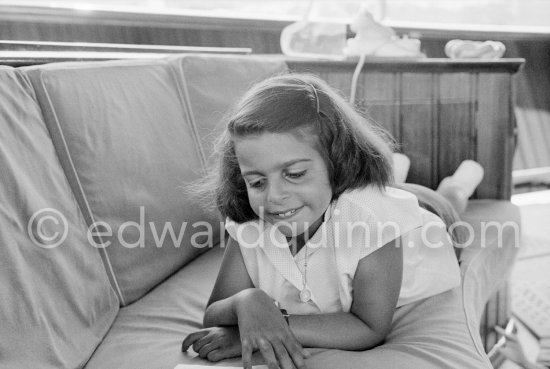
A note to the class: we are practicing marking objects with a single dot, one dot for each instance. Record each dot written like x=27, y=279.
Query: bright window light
x=505, y=13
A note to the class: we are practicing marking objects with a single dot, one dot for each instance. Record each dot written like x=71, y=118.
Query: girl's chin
x=289, y=229
x=294, y=228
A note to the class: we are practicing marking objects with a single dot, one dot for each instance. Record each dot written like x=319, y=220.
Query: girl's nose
x=276, y=192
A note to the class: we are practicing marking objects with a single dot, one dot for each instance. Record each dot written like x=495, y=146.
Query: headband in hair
x=316, y=97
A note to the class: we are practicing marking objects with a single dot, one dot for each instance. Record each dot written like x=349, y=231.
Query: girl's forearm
x=224, y=312
x=220, y=313
x=343, y=331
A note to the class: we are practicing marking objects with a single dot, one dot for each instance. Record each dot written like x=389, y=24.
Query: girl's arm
x=232, y=282
x=376, y=287
x=237, y=310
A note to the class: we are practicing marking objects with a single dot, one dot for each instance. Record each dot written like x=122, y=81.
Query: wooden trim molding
x=46, y=46
x=427, y=65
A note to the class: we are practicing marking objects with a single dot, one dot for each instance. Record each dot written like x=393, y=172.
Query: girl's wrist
x=283, y=311
x=286, y=315
x=243, y=298
x=239, y=300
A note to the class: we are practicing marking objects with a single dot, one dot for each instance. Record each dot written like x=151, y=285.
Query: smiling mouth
x=285, y=214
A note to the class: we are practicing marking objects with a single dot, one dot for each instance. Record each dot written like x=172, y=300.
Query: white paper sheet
x=189, y=366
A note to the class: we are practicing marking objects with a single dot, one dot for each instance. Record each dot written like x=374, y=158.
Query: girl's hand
x=263, y=327
x=214, y=344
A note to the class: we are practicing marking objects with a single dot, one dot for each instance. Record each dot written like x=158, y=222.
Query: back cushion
x=214, y=83
x=128, y=148
x=56, y=303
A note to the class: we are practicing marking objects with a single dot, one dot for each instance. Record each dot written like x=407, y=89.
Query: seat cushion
x=56, y=303
x=149, y=332
x=430, y=333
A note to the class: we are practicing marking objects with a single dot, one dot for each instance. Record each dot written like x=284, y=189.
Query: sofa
x=107, y=261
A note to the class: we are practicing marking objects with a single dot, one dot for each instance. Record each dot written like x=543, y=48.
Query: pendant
x=305, y=295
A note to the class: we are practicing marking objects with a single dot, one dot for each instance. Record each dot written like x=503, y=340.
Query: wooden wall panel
x=419, y=127
x=495, y=123
x=378, y=96
x=337, y=79
x=456, y=136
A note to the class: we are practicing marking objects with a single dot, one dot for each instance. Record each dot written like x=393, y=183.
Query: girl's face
x=286, y=179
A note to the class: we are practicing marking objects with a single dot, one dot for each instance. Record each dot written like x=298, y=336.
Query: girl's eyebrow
x=282, y=165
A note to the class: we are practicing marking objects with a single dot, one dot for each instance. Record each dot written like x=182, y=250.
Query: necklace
x=305, y=293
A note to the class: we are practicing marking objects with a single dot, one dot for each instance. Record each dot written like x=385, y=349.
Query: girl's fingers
x=267, y=352
x=215, y=355
x=191, y=338
x=224, y=353
x=201, y=342
x=206, y=349
x=246, y=348
x=283, y=358
x=297, y=353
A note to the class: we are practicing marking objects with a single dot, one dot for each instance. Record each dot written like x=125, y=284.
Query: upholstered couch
x=105, y=259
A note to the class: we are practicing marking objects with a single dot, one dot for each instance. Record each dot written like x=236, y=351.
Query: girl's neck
x=296, y=243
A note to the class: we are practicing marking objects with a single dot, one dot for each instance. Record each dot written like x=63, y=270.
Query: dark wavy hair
x=356, y=151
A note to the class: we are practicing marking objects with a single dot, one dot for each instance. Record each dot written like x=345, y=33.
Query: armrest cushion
x=489, y=252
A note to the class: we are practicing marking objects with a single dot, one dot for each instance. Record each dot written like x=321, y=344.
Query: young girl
x=321, y=249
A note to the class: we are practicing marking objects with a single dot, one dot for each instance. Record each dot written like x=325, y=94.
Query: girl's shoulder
x=375, y=193
x=374, y=205
x=378, y=200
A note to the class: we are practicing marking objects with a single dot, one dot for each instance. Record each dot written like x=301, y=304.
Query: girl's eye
x=295, y=175
x=256, y=184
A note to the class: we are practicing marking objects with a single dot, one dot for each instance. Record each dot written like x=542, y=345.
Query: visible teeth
x=290, y=212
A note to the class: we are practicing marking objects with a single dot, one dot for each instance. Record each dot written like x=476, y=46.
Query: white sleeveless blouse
x=355, y=225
